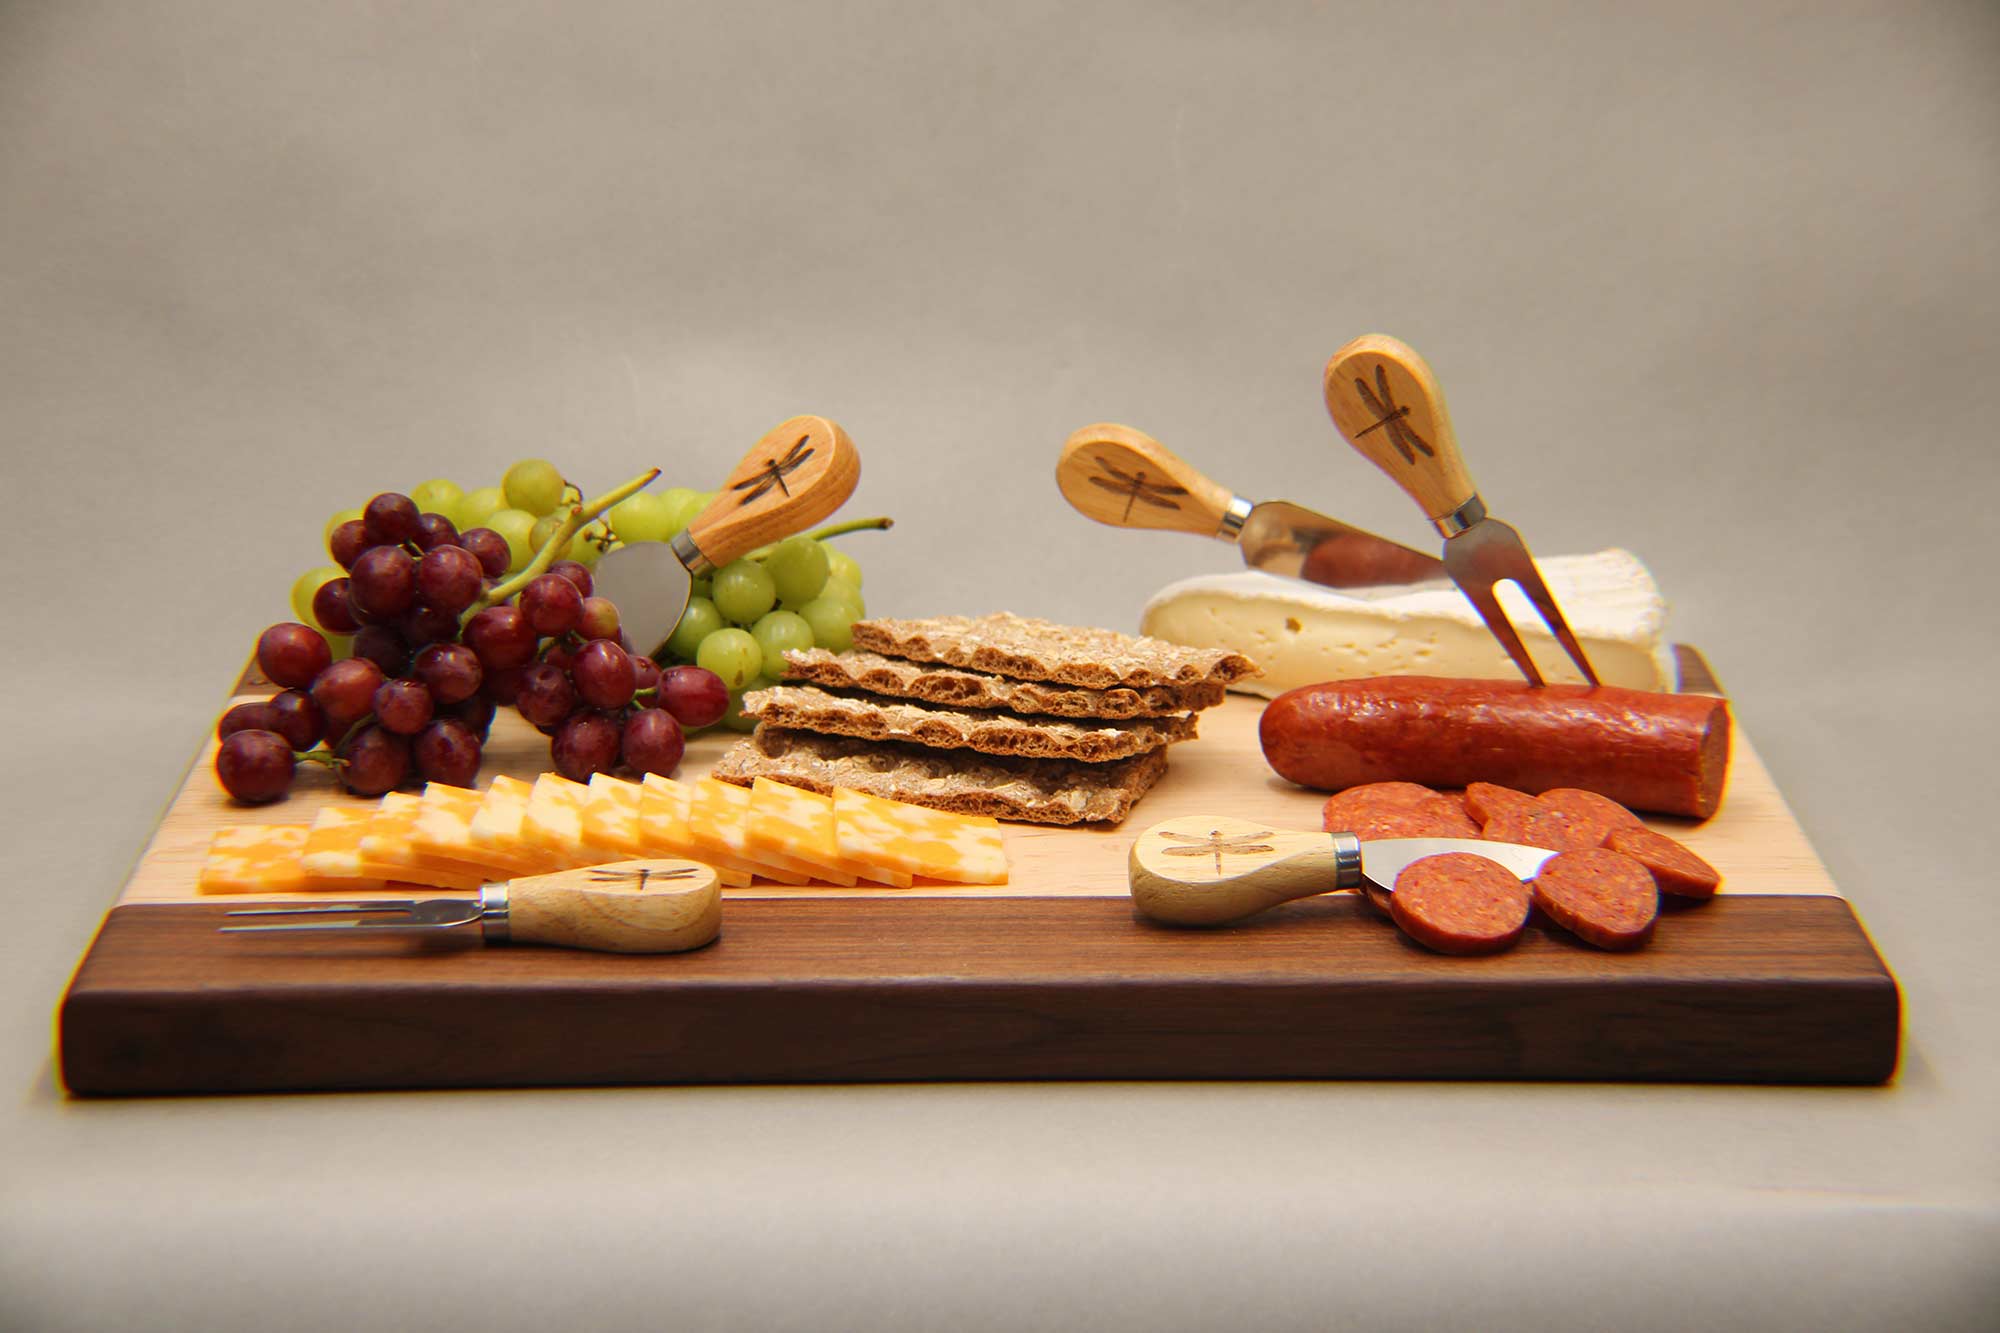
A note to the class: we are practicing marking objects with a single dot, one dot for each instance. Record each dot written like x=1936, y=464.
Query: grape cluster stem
x=578, y=516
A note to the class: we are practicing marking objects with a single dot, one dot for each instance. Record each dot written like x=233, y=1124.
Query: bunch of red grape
x=416, y=699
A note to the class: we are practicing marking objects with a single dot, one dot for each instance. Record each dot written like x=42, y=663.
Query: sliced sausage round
x=1602, y=897
x=1675, y=869
x=1460, y=904
x=1540, y=826
x=1483, y=800
x=1577, y=801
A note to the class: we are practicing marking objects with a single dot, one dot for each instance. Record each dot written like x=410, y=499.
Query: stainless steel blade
x=649, y=584
x=422, y=914
x=1283, y=538
x=1383, y=860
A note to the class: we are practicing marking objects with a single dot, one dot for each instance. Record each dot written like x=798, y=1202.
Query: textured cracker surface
x=933, y=683
x=1029, y=649
x=1034, y=791
x=808, y=708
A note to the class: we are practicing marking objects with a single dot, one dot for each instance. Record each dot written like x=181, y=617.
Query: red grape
x=552, y=604
x=645, y=673
x=383, y=582
x=451, y=670
x=501, y=636
x=345, y=691
x=587, y=743
x=652, y=742
x=435, y=530
x=333, y=608
x=490, y=548
x=375, y=761
x=546, y=696
x=501, y=685
x=255, y=716
x=297, y=718
x=476, y=713
x=558, y=654
x=403, y=706
x=575, y=573
x=603, y=674
x=347, y=542
x=447, y=751
x=391, y=519
x=255, y=765
x=384, y=646
x=427, y=624
x=450, y=578
x=696, y=697
x=291, y=654
x=599, y=620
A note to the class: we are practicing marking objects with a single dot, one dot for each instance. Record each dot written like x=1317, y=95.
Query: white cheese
x=1300, y=633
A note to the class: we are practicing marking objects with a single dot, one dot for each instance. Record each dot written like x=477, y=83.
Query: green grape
x=437, y=496
x=777, y=631
x=681, y=506
x=474, y=508
x=700, y=620
x=798, y=568
x=841, y=565
x=744, y=591
x=642, y=518
x=308, y=584
x=832, y=622
x=533, y=484
x=731, y=654
x=593, y=539
x=518, y=527
x=733, y=719
x=343, y=516
x=701, y=588
x=842, y=590
x=545, y=528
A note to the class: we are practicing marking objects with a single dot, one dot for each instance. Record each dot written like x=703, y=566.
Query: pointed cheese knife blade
x=1385, y=400
x=1124, y=477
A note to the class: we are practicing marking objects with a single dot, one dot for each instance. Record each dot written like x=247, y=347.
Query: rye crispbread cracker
x=936, y=684
x=1034, y=791
x=1096, y=741
x=1028, y=649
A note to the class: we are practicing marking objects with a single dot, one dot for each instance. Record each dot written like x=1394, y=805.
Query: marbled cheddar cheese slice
x=386, y=841
x=501, y=810
x=919, y=840
x=663, y=826
x=333, y=851
x=719, y=823
x=261, y=858
x=443, y=829
x=791, y=821
x=553, y=821
x=611, y=816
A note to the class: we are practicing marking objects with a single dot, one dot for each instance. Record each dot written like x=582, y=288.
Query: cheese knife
x=1126, y=478
x=801, y=471
x=1385, y=400
x=1203, y=870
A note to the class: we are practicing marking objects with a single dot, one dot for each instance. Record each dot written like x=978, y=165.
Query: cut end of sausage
x=1600, y=896
x=1458, y=903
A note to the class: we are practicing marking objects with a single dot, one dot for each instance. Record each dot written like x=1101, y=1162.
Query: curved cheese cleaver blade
x=801, y=471
x=1207, y=869
x=1126, y=478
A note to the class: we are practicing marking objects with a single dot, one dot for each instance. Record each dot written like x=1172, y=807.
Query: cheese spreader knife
x=1385, y=400
x=1203, y=870
x=653, y=906
x=1126, y=478
x=801, y=471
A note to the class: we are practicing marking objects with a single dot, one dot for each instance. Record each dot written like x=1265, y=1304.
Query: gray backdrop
x=1714, y=282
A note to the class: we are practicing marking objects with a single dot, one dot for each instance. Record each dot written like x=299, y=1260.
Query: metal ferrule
x=698, y=565
x=1233, y=519
x=1463, y=517
x=493, y=913
x=1346, y=861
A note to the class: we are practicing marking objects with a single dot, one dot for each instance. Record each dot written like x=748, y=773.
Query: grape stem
x=830, y=530
x=578, y=516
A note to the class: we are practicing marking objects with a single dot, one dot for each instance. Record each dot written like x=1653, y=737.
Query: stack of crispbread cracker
x=1001, y=715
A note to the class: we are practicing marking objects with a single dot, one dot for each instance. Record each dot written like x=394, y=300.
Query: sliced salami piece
x=1577, y=801
x=1458, y=903
x=1675, y=869
x=1541, y=826
x=1602, y=897
x=1484, y=800
x=1390, y=793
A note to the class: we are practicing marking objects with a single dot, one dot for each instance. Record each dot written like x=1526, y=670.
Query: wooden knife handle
x=1121, y=476
x=1387, y=403
x=653, y=906
x=801, y=471
x=1202, y=870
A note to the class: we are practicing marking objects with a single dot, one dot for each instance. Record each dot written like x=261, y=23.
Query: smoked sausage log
x=1668, y=753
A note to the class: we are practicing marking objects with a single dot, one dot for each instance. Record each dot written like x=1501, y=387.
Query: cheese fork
x=650, y=906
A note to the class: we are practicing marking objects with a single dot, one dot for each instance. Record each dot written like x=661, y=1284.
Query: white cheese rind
x=1300, y=633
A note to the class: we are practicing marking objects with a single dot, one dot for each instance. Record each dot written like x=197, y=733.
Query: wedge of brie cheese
x=1300, y=633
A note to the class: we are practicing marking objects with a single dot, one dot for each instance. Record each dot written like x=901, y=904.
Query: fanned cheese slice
x=611, y=816
x=553, y=821
x=918, y=840
x=261, y=858
x=719, y=823
x=791, y=821
x=663, y=827
x=333, y=852
x=501, y=811
x=386, y=841
x=443, y=828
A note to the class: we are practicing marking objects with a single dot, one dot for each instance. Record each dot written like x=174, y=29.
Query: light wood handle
x=1387, y=403
x=1126, y=478
x=801, y=471
x=1202, y=870
x=656, y=906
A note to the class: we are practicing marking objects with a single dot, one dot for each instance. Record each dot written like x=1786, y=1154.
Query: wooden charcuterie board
x=1048, y=976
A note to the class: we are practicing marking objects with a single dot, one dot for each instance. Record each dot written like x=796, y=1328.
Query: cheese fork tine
x=390, y=913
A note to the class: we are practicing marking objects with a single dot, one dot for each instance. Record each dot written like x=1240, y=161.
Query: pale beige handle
x=1201, y=870
x=656, y=906
x=1126, y=478
x=1385, y=400
x=801, y=471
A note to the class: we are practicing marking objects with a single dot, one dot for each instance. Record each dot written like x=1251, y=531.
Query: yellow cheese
x=663, y=827
x=553, y=821
x=443, y=828
x=719, y=824
x=919, y=840
x=386, y=841
x=611, y=816
x=498, y=824
x=791, y=821
x=333, y=852
x=262, y=858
